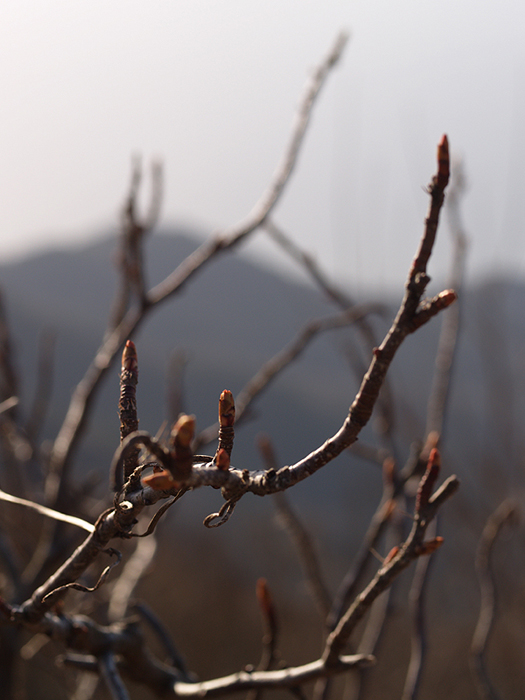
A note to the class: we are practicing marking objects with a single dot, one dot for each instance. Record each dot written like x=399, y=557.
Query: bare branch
x=505, y=513
x=175, y=658
x=127, y=409
x=129, y=578
x=111, y=676
x=399, y=558
x=354, y=577
x=284, y=678
x=47, y=512
x=436, y=415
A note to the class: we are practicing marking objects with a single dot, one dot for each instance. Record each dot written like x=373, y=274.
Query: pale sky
x=211, y=86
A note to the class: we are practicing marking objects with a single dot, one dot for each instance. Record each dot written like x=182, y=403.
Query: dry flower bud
x=226, y=409
x=430, y=546
x=183, y=431
x=159, y=481
x=391, y=554
x=428, y=480
x=129, y=358
x=445, y=299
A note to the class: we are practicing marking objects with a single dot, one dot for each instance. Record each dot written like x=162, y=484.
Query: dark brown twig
x=127, y=409
x=133, y=231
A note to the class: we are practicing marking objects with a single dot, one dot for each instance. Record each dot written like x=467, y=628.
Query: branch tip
x=129, y=357
x=443, y=159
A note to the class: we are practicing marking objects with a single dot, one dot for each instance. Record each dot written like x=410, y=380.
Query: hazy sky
x=210, y=87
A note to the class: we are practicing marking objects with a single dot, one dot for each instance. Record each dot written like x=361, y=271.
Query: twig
x=175, y=388
x=505, y=513
x=270, y=632
x=174, y=657
x=354, y=577
x=111, y=676
x=436, y=415
x=283, y=678
x=448, y=337
x=417, y=615
x=48, y=512
x=127, y=409
x=399, y=558
x=130, y=577
x=300, y=537
x=133, y=232
x=307, y=555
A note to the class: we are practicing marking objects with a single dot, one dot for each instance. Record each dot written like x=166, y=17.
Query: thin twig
x=505, y=513
x=436, y=415
x=448, y=337
x=48, y=512
x=131, y=574
x=353, y=579
x=283, y=678
x=298, y=534
x=111, y=676
x=307, y=554
x=175, y=659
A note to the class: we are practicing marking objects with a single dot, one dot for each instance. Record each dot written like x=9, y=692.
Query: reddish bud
x=222, y=460
x=430, y=546
x=129, y=358
x=428, y=480
x=159, y=481
x=226, y=409
x=181, y=453
x=183, y=431
x=265, y=602
x=391, y=554
x=389, y=467
x=445, y=299
x=443, y=159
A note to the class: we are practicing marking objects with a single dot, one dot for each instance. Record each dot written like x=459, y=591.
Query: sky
x=210, y=88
